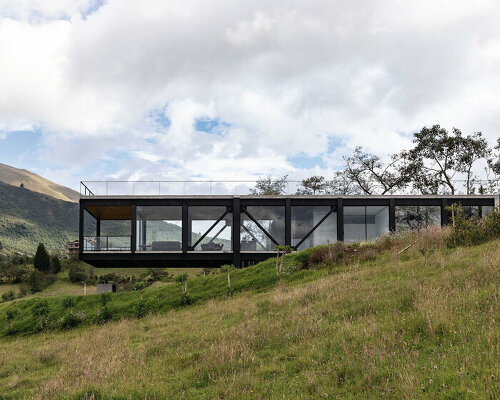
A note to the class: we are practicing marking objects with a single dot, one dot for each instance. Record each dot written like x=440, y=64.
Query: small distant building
x=72, y=248
x=106, y=288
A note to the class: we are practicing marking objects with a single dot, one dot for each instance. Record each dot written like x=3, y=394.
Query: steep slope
x=28, y=217
x=14, y=176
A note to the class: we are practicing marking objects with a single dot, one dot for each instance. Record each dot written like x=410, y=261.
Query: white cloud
x=286, y=77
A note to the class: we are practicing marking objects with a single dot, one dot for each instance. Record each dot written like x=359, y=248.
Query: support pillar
x=288, y=222
x=133, y=238
x=80, y=232
x=236, y=232
x=185, y=228
x=340, y=221
x=392, y=215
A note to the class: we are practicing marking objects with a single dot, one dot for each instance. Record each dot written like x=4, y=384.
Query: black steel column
x=133, y=238
x=288, y=222
x=444, y=212
x=98, y=227
x=236, y=232
x=340, y=221
x=392, y=215
x=80, y=232
x=185, y=228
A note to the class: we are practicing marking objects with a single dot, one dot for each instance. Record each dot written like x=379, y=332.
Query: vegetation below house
x=420, y=324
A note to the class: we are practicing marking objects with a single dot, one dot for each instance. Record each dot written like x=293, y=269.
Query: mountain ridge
x=36, y=183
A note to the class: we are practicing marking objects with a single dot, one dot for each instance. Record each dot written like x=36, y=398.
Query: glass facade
x=259, y=224
x=417, y=217
x=159, y=228
x=305, y=218
x=210, y=228
x=205, y=225
x=486, y=210
x=362, y=223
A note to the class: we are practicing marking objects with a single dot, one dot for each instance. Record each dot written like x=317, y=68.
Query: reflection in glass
x=486, y=210
x=305, y=218
x=417, y=217
x=210, y=228
x=363, y=223
x=159, y=228
x=471, y=211
x=270, y=223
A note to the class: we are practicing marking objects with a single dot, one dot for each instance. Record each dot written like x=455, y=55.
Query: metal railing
x=200, y=187
x=107, y=243
x=165, y=188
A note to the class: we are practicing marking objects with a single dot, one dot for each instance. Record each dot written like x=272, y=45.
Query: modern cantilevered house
x=119, y=227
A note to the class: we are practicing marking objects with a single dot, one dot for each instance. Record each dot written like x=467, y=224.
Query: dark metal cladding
x=189, y=251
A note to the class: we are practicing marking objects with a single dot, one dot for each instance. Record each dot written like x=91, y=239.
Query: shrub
x=72, y=319
x=472, y=231
x=8, y=296
x=40, y=312
x=140, y=309
x=79, y=273
x=68, y=302
x=10, y=315
x=55, y=264
x=42, y=260
x=38, y=281
x=104, y=313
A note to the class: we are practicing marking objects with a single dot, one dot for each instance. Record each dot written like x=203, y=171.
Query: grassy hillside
x=421, y=324
x=28, y=217
x=14, y=176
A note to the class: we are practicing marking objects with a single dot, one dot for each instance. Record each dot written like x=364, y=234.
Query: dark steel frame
x=237, y=204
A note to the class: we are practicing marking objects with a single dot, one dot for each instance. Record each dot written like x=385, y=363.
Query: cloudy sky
x=236, y=89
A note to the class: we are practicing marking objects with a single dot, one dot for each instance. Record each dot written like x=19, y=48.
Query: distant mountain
x=16, y=177
x=28, y=218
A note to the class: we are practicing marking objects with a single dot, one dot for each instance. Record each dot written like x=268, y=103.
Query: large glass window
x=471, y=211
x=159, y=228
x=262, y=228
x=417, y=217
x=210, y=228
x=486, y=210
x=305, y=218
x=363, y=223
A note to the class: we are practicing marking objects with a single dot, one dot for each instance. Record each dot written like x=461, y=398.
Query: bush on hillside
x=55, y=264
x=41, y=261
x=40, y=312
x=39, y=281
x=472, y=231
x=8, y=296
x=80, y=273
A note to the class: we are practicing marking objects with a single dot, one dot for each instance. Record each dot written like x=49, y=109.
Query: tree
x=472, y=148
x=1, y=246
x=492, y=172
x=182, y=279
x=270, y=187
x=437, y=157
x=140, y=285
x=372, y=175
x=104, y=315
x=42, y=260
x=343, y=185
x=313, y=185
x=55, y=264
x=280, y=255
x=227, y=269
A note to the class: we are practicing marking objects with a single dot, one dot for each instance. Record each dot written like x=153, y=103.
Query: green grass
x=394, y=326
